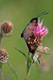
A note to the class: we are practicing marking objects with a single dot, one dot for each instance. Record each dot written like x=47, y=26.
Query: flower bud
x=6, y=27
x=3, y=56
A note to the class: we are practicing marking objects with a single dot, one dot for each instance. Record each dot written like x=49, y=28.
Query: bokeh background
x=19, y=12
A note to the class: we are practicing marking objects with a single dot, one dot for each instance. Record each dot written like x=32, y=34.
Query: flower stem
x=28, y=66
x=26, y=76
x=0, y=39
x=1, y=73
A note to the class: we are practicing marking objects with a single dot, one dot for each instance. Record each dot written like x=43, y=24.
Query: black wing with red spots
x=28, y=35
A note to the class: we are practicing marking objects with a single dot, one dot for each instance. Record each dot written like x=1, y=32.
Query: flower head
x=43, y=49
x=39, y=53
x=39, y=30
x=6, y=27
x=3, y=56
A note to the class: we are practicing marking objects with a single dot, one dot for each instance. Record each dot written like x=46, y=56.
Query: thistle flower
x=39, y=30
x=3, y=56
x=6, y=27
x=41, y=50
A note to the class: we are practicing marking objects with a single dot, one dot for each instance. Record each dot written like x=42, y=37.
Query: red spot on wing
x=33, y=23
x=32, y=48
x=26, y=34
x=29, y=42
x=29, y=38
x=29, y=28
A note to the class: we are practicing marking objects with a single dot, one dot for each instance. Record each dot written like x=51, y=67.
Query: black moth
x=28, y=35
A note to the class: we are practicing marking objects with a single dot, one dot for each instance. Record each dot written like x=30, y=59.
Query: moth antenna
x=42, y=13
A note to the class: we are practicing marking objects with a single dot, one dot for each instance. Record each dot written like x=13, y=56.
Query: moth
x=27, y=33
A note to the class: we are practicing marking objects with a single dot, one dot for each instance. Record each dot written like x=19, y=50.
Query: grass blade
x=12, y=70
x=20, y=51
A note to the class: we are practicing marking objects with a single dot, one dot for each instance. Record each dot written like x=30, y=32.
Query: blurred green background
x=19, y=12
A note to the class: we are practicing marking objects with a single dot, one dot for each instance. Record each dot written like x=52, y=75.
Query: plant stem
x=26, y=76
x=1, y=74
x=0, y=39
x=28, y=66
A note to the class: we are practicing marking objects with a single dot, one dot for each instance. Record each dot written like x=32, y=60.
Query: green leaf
x=20, y=51
x=12, y=70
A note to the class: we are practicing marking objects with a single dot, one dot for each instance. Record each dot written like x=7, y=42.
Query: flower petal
x=44, y=32
x=40, y=25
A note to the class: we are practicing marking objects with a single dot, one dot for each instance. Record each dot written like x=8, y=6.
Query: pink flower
x=39, y=30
